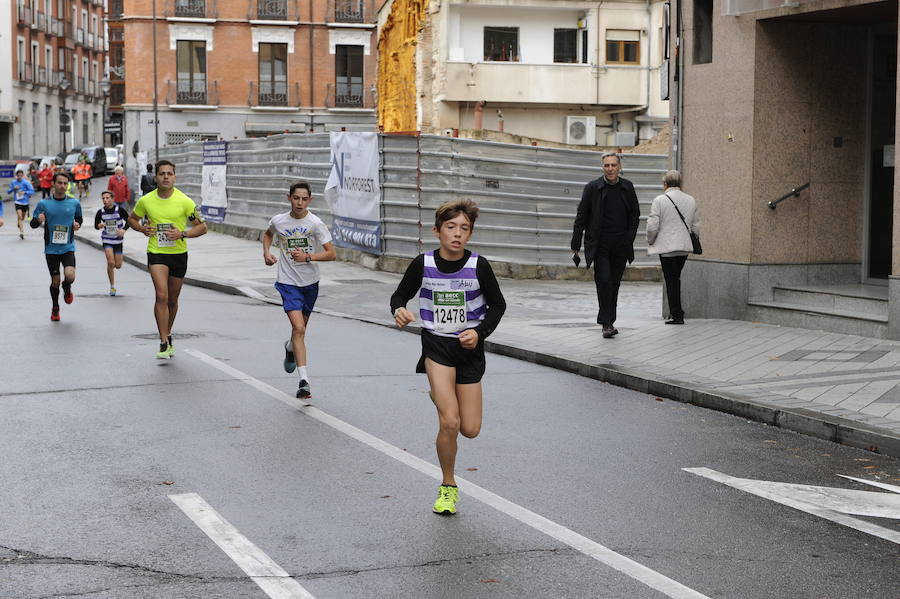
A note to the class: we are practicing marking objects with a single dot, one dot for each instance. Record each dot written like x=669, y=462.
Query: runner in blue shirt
x=21, y=190
x=60, y=216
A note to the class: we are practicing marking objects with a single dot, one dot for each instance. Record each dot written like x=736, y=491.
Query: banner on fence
x=353, y=192
x=212, y=190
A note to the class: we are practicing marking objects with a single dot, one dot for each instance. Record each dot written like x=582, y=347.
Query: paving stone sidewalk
x=839, y=387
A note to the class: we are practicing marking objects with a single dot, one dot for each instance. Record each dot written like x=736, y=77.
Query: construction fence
x=527, y=195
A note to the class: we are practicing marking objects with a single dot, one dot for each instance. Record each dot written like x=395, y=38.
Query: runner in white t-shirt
x=303, y=240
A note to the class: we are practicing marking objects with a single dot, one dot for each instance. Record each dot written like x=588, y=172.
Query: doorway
x=882, y=122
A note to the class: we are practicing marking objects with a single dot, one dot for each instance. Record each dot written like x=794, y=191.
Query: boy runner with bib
x=168, y=212
x=60, y=216
x=21, y=191
x=303, y=239
x=460, y=304
x=112, y=220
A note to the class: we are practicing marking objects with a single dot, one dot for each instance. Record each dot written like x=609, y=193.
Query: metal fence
x=527, y=195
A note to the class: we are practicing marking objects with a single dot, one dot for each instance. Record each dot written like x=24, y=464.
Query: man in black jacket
x=148, y=181
x=608, y=217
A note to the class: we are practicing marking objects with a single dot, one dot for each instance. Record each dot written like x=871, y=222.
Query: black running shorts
x=469, y=363
x=177, y=263
x=54, y=261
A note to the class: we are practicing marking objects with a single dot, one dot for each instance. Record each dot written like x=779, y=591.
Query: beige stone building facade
x=583, y=73
x=775, y=97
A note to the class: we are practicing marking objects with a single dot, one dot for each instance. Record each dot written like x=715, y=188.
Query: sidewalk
x=837, y=387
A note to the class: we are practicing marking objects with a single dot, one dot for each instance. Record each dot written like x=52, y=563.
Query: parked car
x=96, y=156
x=39, y=160
x=112, y=159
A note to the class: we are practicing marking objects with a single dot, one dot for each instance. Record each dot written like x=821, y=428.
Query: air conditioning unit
x=622, y=139
x=581, y=130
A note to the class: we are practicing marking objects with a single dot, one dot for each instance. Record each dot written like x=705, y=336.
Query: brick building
x=54, y=65
x=247, y=68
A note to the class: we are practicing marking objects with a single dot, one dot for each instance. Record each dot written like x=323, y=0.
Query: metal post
x=155, y=88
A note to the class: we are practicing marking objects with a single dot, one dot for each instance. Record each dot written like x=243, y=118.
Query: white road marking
x=629, y=567
x=270, y=577
x=825, y=502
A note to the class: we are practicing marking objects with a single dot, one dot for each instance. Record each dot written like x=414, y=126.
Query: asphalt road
x=107, y=453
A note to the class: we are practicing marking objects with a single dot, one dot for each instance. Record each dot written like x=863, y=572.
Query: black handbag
x=695, y=239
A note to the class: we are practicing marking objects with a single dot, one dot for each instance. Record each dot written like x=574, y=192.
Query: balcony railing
x=192, y=92
x=348, y=95
x=91, y=40
x=56, y=27
x=40, y=21
x=100, y=44
x=41, y=76
x=349, y=11
x=58, y=76
x=26, y=72
x=79, y=36
x=189, y=8
x=273, y=10
x=23, y=14
x=80, y=85
x=274, y=93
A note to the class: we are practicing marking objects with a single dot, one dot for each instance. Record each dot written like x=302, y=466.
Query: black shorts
x=23, y=208
x=177, y=263
x=447, y=351
x=54, y=261
x=115, y=247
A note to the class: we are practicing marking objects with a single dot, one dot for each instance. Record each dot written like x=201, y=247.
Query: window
x=623, y=47
x=565, y=45
x=191, y=59
x=348, y=76
x=703, y=15
x=501, y=44
x=273, y=74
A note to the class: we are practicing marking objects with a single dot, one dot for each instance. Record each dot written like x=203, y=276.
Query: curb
x=822, y=426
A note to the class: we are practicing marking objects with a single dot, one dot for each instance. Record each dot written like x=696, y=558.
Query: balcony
x=79, y=36
x=58, y=76
x=26, y=72
x=274, y=94
x=521, y=83
x=91, y=40
x=273, y=10
x=41, y=76
x=23, y=14
x=100, y=44
x=191, y=9
x=187, y=92
x=349, y=11
x=80, y=85
x=56, y=27
x=348, y=95
x=40, y=21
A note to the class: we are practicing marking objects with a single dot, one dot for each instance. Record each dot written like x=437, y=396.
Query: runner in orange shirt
x=82, y=174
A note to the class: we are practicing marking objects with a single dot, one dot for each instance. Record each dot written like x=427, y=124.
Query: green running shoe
x=163, y=353
x=171, y=347
x=446, y=500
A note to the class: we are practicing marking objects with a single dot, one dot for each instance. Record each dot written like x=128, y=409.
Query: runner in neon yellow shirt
x=167, y=212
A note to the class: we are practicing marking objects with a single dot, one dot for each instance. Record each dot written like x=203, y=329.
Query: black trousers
x=671, y=267
x=609, y=266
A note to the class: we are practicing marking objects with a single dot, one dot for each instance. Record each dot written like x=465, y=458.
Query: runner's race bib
x=20, y=195
x=60, y=234
x=449, y=311
x=298, y=243
x=161, y=239
x=112, y=226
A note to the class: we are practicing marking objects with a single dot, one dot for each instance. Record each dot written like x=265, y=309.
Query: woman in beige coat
x=668, y=237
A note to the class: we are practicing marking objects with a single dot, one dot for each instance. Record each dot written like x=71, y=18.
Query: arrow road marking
x=829, y=503
x=629, y=567
x=270, y=577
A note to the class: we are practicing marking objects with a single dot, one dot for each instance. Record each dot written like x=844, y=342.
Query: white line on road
x=783, y=494
x=270, y=577
x=639, y=572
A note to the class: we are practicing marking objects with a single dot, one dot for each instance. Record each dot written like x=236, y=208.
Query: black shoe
x=608, y=332
x=290, y=365
x=675, y=321
x=303, y=391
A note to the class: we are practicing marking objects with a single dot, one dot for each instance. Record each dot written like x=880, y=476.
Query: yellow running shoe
x=163, y=353
x=446, y=500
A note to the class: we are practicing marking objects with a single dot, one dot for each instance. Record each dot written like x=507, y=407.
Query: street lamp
x=105, y=86
x=64, y=124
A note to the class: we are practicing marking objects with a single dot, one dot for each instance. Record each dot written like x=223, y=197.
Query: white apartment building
x=584, y=73
x=51, y=68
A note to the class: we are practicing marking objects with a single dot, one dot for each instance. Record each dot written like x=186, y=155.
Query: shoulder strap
x=679, y=212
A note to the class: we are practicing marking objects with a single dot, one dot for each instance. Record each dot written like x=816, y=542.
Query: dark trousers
x=609, y=266
x=671, y=267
